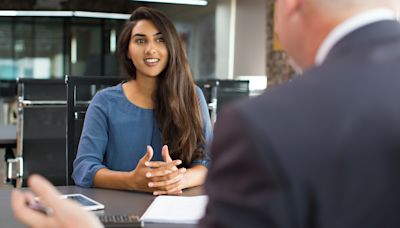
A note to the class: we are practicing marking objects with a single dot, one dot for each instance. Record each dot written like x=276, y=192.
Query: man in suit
x=324, y=149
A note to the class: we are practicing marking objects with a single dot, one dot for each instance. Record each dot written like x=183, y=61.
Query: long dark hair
x=176, y=104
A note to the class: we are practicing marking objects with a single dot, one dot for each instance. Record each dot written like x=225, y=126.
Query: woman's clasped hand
x=159, y=177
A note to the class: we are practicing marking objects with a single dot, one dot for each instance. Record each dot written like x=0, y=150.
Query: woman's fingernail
x=148, y=174
x=151, y=184
x=155, y=193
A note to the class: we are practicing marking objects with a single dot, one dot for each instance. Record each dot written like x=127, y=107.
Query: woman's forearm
x=195, y=176
x=105, y=178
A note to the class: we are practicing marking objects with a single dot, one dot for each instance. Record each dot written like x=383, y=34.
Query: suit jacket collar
x=365, y=37
x=349, y=25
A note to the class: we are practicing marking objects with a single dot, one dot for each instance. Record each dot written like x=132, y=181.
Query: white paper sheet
x=176, y=209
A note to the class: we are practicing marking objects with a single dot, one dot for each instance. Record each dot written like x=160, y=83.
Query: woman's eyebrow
x=143, y=35
x=138, y=34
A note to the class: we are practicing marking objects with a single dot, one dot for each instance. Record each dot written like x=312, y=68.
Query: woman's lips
x=151, y=61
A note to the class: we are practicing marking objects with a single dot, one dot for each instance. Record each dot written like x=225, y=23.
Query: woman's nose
x=151, y=48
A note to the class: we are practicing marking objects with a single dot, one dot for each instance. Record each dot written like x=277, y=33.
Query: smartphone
x=86, y=202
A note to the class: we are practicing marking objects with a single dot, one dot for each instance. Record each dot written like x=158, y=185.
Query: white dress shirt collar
x=350, y=25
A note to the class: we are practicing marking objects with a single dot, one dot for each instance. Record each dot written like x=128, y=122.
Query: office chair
x=80, y=91
x=210, y=89
x=219, y=92
x=40, y=132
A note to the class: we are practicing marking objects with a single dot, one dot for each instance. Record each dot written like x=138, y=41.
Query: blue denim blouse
x=116, y=132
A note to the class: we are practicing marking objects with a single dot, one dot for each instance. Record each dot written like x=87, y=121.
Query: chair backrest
x=41, y=130
x=8, y=88
x=232, y=90
x=80, y=91
x=220, y=92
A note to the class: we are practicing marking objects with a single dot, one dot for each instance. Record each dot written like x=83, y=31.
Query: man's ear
x=293, y=6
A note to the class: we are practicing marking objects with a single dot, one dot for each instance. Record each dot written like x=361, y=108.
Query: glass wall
x=51, y=47
x=23, y=47
x=7, y=66
x=110, y=36
x=48, y=48
x=86, y=48
x=54, y=46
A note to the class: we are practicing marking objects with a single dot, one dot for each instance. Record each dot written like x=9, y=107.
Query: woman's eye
x=140, y=41
x=160, y=40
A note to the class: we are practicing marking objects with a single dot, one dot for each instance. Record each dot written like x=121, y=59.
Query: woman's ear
x=128, y=55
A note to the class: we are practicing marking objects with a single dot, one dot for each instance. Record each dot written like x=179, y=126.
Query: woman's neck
x=140, y=91
x=146, y=86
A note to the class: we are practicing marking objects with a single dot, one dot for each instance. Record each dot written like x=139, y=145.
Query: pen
x=37, y=206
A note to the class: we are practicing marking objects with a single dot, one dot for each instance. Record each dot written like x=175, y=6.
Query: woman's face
x=147, y=49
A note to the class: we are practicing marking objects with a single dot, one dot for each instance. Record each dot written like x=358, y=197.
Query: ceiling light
x=101, y=15
x=185, y=2
x=36, y=13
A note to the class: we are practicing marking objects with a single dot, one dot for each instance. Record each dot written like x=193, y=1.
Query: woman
x=137, y=133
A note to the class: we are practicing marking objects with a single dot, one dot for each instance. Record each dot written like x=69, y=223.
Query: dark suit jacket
x=320, y=151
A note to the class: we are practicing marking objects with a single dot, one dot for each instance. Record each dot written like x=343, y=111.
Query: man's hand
x=65, y=213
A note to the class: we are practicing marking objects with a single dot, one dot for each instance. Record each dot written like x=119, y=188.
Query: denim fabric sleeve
x=93, y=142
x=208, y=134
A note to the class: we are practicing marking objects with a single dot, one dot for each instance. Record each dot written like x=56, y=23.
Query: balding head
x=349, y=7
x=302, y=25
